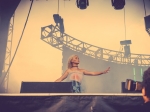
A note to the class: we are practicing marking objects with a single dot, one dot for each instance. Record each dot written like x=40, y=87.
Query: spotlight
x=59, y=21
x=56, y=18
x=147, y=23
x=118, y=4
x=82, y=4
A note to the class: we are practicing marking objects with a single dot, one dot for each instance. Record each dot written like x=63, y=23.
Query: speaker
x=147, y=22
x=46, y=87
x=124, y=90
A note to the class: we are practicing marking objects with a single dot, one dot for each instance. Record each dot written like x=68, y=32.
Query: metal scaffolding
x=5, y=74
x=51, y=34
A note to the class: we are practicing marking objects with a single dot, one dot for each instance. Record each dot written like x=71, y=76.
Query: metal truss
x=51, y=34
x=5, y=76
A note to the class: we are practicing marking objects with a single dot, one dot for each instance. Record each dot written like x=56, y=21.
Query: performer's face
x=75, y=59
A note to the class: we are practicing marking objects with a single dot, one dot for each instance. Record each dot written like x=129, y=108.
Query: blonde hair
x=69, y=61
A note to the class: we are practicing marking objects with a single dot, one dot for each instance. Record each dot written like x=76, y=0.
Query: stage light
x=82, y=4
x=118, y=4
x=126, y=47
x=56, y=18
x=147, y=24
x=59, y=22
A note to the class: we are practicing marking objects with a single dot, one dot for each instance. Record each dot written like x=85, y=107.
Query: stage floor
x=69, y=102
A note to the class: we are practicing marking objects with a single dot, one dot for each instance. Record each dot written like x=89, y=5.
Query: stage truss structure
x=51, y=35
x=5, y=74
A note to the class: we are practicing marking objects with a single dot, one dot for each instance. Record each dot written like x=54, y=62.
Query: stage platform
x=69, y=102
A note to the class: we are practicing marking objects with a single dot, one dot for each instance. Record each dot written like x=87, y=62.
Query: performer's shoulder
x=68, y=70
x=82, y=70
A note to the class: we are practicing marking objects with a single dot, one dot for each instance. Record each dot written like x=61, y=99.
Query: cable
x=144, y=7
x=124, y=23
x=58, y=8
x=18, y=42
x=64, y=3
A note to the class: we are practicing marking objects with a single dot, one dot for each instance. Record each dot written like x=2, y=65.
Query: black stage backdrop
x=66, y=103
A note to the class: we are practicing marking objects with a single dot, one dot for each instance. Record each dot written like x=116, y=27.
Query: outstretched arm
x=64, y=76
x=96, y=73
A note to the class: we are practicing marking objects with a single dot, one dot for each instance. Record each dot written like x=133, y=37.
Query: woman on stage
x=75, y=74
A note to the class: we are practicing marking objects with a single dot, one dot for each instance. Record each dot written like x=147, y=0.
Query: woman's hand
x=106, y=71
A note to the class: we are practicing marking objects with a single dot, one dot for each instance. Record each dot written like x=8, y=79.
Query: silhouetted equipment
x=56, y=18
x=118, y=4
x=61, y=26
x=147, y=23
x=125, y=42
x=82, y=4
x=46, y=87
x=126, y=47
x=59, y=22
x=127, y=51
x=132, y=85
x=7, y=9
x=124, y=90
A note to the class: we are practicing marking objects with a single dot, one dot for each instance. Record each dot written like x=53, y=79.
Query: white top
x=75, y=76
